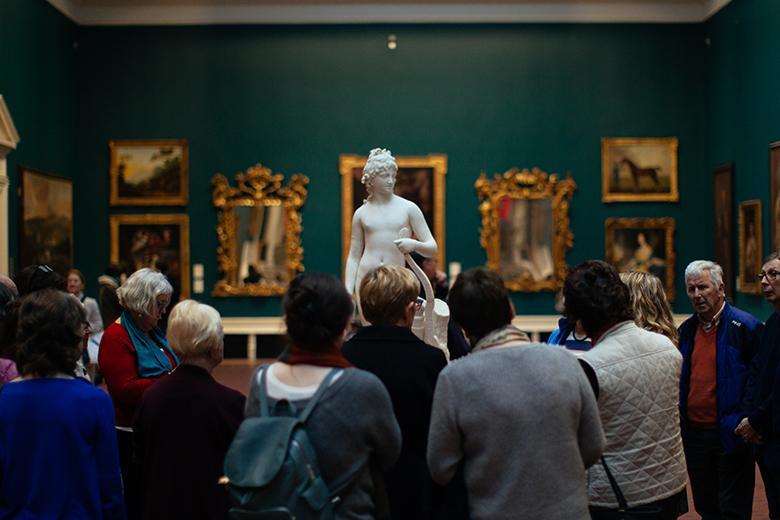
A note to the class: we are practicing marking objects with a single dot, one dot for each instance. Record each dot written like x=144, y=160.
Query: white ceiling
x=209, y=12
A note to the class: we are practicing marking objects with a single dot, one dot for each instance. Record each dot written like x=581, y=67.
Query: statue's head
x=379, y=161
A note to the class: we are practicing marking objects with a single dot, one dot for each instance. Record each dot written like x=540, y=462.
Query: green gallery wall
x=743, y=107
x=489, y=96
x=38, y=82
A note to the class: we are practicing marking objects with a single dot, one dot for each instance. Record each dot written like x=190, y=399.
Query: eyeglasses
x=771, y=275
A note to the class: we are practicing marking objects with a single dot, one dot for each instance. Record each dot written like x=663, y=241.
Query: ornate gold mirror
x=259, y=230
x=525, y=227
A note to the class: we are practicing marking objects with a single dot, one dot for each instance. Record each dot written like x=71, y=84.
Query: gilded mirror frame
x=526, y=185
x=258, y=186
x=350, y=169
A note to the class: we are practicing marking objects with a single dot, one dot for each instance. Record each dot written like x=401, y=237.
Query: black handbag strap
x=263, y=396
x=622, y=504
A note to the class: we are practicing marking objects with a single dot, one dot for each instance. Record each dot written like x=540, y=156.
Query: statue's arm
x=425, y=243
x=356, y=243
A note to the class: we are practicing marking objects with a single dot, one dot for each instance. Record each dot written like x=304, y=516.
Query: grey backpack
x=272, y=467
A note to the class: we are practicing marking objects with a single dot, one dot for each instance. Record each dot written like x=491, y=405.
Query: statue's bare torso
x=382, y=228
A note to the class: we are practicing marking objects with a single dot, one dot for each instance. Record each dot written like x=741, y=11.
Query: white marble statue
x=382, y=234
x=377, y=224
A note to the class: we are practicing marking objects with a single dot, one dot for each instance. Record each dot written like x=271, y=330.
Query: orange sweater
x=702, y=403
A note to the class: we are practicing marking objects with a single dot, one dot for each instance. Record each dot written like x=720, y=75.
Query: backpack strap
x=261, y=393
x=316, y=397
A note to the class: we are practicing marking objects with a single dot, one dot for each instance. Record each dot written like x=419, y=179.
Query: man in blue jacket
x=717, y=343
x=760, y=426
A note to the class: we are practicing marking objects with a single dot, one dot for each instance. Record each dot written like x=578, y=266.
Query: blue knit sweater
x=58, y=452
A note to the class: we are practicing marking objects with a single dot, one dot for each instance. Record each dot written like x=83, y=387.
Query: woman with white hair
x=133, y=355
x=382, y=227
x=185, y=423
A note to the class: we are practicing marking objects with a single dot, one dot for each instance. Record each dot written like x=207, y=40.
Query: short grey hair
x=195, y=330
x=140, y=291
x=698, y=267
x=774, y=255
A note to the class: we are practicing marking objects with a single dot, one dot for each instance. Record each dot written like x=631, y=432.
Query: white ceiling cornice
x=203, y=12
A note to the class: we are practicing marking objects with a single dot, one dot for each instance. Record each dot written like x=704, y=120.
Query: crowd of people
x=620, y=409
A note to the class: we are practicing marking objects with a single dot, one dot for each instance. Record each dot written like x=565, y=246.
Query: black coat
x=183, y=428
x=409, y=369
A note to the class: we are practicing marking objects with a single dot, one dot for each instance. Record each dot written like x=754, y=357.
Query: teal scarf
x=151, y=360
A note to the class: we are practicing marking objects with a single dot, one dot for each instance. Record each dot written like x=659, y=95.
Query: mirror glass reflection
x=261, y=245
x=525, y=227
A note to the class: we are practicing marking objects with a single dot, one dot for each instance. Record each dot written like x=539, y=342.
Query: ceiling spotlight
x=392, y=42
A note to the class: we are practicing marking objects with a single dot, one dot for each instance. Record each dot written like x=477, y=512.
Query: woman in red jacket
x=133, y=355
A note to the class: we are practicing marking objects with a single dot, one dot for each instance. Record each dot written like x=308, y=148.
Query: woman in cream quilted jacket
x=635, y=375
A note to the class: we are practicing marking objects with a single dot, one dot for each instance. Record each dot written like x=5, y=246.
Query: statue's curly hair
x=379, y=160
x=595, y=295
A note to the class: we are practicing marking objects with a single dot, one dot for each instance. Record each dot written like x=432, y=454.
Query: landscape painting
x=149, y=173
x=46, y=215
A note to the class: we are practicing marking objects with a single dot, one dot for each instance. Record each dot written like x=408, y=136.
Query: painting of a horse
x=639, y=169
x=638, y=172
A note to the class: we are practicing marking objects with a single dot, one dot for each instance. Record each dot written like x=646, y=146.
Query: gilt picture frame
x=750, y=247
x=157, y=241
x=639, y=169
x=45, y=220
x=723, y=223
x=526, y=230
x=152, y=172
x=420, y=179
x=774, y=184
x=642, y=244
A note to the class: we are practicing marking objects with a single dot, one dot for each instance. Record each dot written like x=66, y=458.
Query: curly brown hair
x=594, y=295
x=48, y=333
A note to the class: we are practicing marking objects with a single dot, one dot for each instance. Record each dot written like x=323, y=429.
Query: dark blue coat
x=738, y=340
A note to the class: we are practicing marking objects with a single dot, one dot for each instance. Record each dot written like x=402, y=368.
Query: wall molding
x=713, y=6
x=9, y=138
x=92, y=12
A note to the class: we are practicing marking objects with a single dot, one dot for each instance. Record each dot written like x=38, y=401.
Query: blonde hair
x=195, y=330
x=651, y=308
x=385, y=292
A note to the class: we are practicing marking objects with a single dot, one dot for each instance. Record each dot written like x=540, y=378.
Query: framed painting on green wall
x=161, y=242
x=46, y=220
x=749, y=246
x=642, y=244
x=774, y=176
x=420, y=179
x=149, y=172
x=723, y=227
x=639, y=169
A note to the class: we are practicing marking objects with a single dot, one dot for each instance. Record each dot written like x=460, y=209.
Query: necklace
x=574, y=334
